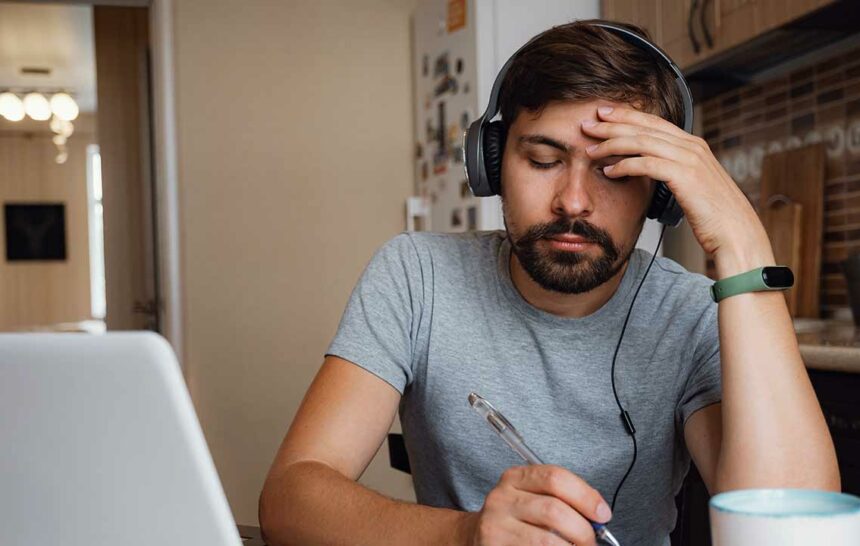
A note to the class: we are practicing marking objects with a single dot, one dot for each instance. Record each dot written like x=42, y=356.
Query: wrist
x=464, y=531
x=738, y=259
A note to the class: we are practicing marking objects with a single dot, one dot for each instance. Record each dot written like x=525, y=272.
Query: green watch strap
x=756, y=280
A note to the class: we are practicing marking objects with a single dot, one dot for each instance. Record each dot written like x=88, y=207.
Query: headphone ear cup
x=664, y=208
x=659, y=200
x=494, y=145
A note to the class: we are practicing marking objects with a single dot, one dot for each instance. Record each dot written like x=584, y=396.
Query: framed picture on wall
x=35, y=231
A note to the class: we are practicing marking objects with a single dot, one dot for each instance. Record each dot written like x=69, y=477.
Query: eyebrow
x=545, y=140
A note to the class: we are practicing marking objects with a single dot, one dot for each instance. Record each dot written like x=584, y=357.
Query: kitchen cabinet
x=693, y=31
x=727, y=23
x=678, y=27
x=693, y=525
x=644, y=13
x=837, y=394
x=775, y=13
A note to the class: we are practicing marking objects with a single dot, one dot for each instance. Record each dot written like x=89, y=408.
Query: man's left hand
x=721, y=217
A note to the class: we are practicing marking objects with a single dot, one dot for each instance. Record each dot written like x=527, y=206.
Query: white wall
x=295, y=158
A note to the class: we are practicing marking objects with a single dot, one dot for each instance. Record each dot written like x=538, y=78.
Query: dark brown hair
x=578, y=61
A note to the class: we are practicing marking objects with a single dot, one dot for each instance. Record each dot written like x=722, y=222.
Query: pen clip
x=500, y=423
x=491, y=414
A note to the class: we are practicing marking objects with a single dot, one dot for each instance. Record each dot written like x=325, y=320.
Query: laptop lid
x=100, y=445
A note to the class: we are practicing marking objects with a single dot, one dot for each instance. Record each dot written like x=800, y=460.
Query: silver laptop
x=100, y=445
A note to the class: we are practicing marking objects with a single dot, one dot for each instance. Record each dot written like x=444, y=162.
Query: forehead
x=560, y=115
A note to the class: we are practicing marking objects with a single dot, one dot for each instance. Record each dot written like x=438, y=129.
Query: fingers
x=645, y=145
x=558, y=482
x=655, y=168
x=622, y=114
x=518, y=533
x=663, y=157
x=551, y=513
x=607, y=129
x=623, y=121
x=540, y=505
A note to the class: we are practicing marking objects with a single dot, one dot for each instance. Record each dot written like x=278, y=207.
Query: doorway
x=103, y=192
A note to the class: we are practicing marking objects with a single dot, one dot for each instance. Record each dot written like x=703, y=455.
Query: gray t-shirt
x=437, y=316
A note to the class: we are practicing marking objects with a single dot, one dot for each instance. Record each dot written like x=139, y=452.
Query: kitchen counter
x=832, y=345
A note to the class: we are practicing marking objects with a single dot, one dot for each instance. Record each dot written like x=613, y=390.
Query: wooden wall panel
x=44, y=293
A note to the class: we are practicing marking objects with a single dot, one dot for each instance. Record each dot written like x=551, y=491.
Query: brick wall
x=818, y=102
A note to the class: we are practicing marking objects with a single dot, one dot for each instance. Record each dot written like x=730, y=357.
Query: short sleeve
x=379, y=326
x=704, y=384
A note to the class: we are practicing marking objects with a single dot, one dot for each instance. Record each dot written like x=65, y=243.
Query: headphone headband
x=627, y=35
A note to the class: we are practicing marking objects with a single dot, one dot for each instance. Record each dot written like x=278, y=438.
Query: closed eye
x=539, y=165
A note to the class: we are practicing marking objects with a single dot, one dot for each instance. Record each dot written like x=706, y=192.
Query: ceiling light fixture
x=11, y=107
x=60, y=110
x=37, y=106
x=64, y=107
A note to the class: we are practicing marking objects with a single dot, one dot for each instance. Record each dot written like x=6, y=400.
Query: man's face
x=571, y=228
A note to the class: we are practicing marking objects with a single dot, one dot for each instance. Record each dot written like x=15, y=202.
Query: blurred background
x=221, y=171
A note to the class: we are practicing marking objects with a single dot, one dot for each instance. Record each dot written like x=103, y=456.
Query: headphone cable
x=625, y=416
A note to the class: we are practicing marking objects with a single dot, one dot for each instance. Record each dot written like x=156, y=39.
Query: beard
x=568, y=272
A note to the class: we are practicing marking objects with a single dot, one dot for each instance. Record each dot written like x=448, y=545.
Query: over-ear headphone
x=484, y=141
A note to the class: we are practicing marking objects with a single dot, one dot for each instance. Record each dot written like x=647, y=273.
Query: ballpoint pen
x=509, y=434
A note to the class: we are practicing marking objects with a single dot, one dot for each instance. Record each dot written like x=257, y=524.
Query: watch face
x=777, y=277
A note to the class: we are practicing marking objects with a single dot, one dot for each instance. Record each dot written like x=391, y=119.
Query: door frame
x=166, y=173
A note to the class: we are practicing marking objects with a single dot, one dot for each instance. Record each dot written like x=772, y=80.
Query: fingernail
x=604, y=514
x=605, y=110
x=608, y=168
x=589, y=123
x=591, y=148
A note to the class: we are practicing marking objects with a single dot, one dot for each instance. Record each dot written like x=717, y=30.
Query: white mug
x=784, y=517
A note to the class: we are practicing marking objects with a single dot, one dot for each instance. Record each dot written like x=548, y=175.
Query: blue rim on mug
x=779, y=503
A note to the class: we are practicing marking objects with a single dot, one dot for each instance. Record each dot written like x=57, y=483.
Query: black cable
x=625, y=417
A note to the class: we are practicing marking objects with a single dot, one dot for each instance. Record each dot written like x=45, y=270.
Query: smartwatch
x=776, y=277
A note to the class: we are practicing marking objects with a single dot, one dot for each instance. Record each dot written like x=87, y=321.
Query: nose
x=573, y=197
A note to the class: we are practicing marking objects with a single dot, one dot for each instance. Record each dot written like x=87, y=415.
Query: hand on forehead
x=559, y=124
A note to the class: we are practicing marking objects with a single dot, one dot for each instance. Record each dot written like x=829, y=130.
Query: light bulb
x=11, y=107
x=62, y=127
x=37, y=106
x=64, y=107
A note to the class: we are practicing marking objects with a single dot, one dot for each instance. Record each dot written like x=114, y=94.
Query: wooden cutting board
x=783, y=220
x=797, y=176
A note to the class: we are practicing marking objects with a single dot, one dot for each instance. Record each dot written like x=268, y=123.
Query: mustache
x=562, y=226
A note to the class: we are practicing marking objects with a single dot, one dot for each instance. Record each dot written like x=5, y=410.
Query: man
x=530, y=319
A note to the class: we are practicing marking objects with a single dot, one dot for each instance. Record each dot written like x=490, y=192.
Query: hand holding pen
x=529, y=500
